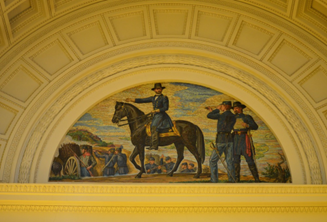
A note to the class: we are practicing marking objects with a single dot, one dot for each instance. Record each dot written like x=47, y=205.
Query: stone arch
x=257, y=93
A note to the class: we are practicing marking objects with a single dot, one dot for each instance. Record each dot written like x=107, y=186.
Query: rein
x=133, y=119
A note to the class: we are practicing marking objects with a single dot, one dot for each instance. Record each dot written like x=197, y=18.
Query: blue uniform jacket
x=240, y=139
x=169, y=166
x=160, y=120
x=122, y=163
x=226, y=121
x=108, y=157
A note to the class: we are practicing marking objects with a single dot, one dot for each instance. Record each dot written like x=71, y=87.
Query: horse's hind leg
x=180, y=157
x=132, y=158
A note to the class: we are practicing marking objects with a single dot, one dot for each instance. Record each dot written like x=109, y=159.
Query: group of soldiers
x=166, y=166
x=233, y=139
x=187, y=168
x=113, y=158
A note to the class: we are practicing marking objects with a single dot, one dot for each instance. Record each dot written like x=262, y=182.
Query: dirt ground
x=162, y=178
x=153, y=178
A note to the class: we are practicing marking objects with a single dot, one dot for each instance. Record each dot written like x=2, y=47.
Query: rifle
x=211, y=107
x=152, y=168
x=222, y=161
x=91, y=174
x=108, y=162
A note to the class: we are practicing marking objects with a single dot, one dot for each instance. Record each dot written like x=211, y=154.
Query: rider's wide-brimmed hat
x=238, y=104
x=158, y=86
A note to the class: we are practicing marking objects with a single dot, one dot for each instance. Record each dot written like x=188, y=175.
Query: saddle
x=171, y=132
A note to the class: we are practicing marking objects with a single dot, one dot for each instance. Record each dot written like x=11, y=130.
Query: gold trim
x=172, y=132
x=162, y=189
x=122, y=208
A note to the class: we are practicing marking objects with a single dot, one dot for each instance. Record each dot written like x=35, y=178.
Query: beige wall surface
x=58, y=58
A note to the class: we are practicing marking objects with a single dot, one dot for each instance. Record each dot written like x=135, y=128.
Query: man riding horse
x=161, y=121
x=188, y=134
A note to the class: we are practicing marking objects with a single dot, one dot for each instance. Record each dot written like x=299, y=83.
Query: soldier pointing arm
x=224, y=141
x=161, y=121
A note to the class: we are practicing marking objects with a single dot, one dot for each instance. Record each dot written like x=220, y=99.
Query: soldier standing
x=121, y=161
x=110, y=160
x=161, y=121
x=242, y=142
x=87, y=160
x=224, y=140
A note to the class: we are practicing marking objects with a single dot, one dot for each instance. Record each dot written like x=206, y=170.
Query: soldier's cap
x=185, y=163
x=226, y=103
x=118, y=149
x=112, y=149
x=158, y=86
x=191, y=164
x=167, y=158
x=238, y=104
x=151, y=158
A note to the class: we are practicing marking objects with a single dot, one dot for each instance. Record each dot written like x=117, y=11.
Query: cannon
x=71, y=164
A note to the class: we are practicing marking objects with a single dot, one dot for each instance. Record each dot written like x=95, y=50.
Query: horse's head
x=120, y=112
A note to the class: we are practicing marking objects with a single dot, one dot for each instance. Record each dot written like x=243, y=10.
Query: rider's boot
x=154, y=139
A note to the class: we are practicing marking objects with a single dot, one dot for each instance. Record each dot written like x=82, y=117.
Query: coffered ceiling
x=40, y=41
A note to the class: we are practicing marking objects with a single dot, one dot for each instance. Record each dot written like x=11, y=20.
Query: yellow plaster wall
x=85, y=202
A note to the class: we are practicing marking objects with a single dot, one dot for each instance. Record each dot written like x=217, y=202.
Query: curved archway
x=103, y=83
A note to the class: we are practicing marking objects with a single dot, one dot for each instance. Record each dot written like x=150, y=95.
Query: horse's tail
x=200, y=144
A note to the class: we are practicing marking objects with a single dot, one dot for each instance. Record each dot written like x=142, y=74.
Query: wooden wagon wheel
x=72, y=166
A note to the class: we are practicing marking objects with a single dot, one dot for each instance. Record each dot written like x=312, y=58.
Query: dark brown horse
x=191, y=136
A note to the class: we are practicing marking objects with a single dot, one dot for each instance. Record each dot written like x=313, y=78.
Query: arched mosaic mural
x=95, y=149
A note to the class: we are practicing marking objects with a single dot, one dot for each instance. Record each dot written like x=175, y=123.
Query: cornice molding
x=204, y=200
x=163, y=189
x=207, y=209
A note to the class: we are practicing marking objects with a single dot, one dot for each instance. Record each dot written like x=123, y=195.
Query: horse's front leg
x=132, y=158
x=141, y=155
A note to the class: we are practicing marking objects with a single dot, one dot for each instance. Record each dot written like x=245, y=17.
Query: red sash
x=248, y=145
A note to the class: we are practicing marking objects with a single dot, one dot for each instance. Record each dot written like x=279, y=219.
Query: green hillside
x=84, y=135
